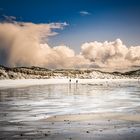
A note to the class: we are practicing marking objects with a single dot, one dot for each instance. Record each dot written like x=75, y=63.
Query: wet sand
x=25, y=113
x=101, y=126
x=95, y=116
x=106, y=126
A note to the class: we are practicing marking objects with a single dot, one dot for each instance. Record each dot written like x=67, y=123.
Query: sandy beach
x=105, y=126
x=56, y=109
x=30, y=82
x=70, y=70
x=78, y=127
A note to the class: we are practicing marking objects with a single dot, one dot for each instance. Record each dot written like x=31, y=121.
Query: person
x=70, y=80
x=76, y=81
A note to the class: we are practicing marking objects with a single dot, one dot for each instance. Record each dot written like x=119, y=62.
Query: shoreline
x=10, y=83
x=100, y=126
x=93, y=116
x=68, y=126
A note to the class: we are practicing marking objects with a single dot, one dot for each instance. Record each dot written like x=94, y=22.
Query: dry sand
x=30, y=82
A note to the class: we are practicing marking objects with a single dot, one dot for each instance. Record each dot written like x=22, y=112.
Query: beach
x=31, y=82
x=57, y=109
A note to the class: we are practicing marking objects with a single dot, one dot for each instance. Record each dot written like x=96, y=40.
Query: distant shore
x=43, y=73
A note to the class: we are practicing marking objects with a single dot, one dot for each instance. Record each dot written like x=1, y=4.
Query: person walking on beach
x=76, y=81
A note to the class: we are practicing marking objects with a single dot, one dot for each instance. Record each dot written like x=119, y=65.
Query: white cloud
x=84, y=13
x=111, y=54
x=9, y=18
x=21, y=45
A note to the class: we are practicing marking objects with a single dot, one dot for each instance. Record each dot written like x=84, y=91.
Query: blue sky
x=88, y=20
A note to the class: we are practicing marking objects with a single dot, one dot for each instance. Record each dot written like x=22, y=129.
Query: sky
x=80, y=21
x=101, y=19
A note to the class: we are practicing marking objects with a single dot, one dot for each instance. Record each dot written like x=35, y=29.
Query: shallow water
x=38, y=102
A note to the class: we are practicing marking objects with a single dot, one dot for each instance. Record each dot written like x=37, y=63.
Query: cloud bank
x=111, y=54
x=22, y=44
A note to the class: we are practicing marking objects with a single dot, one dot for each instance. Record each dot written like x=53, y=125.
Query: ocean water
x=38, y=102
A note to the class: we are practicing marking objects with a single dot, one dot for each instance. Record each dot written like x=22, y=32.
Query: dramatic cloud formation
x=111, y=54
x=22, y=44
